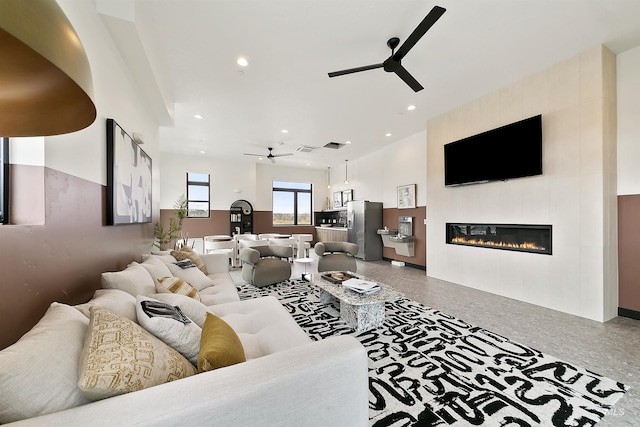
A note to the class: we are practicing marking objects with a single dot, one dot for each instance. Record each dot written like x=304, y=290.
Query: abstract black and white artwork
x=427, y=368
x=128, y=178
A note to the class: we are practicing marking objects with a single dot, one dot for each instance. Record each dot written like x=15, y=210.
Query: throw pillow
x=187, y=263
x=120, y=302
x=176, y=285
x=156, y=267
x=39, y=372
x=193, y=276
x=120, y=357
x=185, y=338
x=134, y=280
x=193, y=309
x=187, y=253
x=219, y=345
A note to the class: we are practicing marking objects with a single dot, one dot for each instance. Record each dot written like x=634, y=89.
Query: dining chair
x=221, y=247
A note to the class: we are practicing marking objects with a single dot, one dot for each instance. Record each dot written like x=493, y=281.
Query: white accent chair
x=227, y=247
x=303, y=244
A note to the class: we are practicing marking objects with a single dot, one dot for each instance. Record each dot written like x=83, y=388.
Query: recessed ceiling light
x=198, y=116
x=203, y=152
x=387, y=134
x=284, y=131
x=242, y=61
x=411, y=107
x=347, y=142
x=308, y=164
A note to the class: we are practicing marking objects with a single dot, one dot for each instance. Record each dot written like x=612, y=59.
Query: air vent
x=334, y=145
x=305, y=149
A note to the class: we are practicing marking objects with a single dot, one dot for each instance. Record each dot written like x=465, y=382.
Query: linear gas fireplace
x=510, y=237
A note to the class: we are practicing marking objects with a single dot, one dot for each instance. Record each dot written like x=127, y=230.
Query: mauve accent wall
x=61, y=260
x=629, y=252
x=390, y=219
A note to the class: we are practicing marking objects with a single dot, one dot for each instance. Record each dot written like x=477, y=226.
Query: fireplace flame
x=500, y=244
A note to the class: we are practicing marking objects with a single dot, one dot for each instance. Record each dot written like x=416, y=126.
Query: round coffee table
x=304, y=261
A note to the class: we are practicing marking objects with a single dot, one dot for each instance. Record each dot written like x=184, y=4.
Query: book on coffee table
x=361, y=286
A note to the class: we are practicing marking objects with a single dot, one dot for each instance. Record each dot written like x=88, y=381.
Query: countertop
x=332, y=228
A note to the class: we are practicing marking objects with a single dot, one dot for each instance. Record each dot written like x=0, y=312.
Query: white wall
x=628, y=66
x=576, y=193
x=83, y=153
x=376, y=176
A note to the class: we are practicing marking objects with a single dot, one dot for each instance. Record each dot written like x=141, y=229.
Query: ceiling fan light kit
x=393, y=64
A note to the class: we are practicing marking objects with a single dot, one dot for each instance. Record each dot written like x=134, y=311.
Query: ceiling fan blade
x=257, y=155
x=420, y=31
x=355, y=70
x=282, y=155
x=408, y=79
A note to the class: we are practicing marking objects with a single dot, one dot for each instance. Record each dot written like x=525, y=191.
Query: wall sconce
x=329, y=177
x=346, y=173
x=49, y=77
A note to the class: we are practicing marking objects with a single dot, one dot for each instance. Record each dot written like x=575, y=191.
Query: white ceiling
x=476, y=47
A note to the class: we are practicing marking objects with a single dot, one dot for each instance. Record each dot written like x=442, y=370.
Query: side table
x=304, y=261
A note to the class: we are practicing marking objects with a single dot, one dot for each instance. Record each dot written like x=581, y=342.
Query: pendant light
x=346, y=172
x=46, y=79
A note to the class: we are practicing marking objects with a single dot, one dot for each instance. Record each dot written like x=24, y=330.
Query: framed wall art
x=337, y=199
x=407, y=196
x=347, y=196
x=129, y=180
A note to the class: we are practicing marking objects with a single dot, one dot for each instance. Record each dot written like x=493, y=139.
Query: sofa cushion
x=120, y=302
x=183, y=337
x=176, y=285
x=135, y=280
x=220, y=346
x=156, y=267
x=186, y=252
x=263, y=325
x=194, y=310
x=119, y=356
x=194, y=276
x=39, y=373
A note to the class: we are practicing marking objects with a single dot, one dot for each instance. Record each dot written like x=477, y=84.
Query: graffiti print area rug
x=427, y=368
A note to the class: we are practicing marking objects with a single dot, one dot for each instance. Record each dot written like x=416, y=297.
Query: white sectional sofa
x=286, y=380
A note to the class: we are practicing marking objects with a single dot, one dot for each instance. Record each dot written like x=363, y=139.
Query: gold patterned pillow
x=175, y=285
x=119, y=357
x=186, y=252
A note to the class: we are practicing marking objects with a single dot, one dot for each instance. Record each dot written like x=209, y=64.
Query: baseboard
x=625, y=312
x=408, y=264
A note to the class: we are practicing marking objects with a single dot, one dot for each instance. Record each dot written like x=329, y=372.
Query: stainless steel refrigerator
x=364, y=219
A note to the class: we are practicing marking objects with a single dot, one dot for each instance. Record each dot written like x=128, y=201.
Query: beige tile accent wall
x=576, y=193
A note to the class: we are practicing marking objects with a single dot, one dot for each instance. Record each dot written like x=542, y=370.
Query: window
x=198, y=195
x=291, y=203
x=4, y=180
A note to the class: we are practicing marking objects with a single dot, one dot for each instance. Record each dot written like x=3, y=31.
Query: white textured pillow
x=156, y=267
x=191, y=308
x=195, y=277
x=134, y=280
x=185, y=339
x=119, y=357
x=120, y=302
x=39, y=373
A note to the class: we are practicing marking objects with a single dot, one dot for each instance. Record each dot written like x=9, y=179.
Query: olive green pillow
x=219, y=345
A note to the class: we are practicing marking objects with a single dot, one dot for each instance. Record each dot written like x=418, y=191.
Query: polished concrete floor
x=611, y=349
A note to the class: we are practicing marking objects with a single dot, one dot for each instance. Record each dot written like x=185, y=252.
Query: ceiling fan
x=269, y=156
x=394, y=62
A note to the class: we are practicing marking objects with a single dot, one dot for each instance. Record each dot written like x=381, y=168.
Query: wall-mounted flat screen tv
x=511, y=151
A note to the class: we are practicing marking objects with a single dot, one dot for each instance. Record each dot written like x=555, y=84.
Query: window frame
x=296, y=202
x=208, y=192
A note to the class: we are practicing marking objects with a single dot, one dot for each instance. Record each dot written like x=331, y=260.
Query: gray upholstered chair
x=266, y=265
x=336, y=256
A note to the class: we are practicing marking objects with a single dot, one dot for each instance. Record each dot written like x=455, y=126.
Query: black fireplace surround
x=509, y=237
